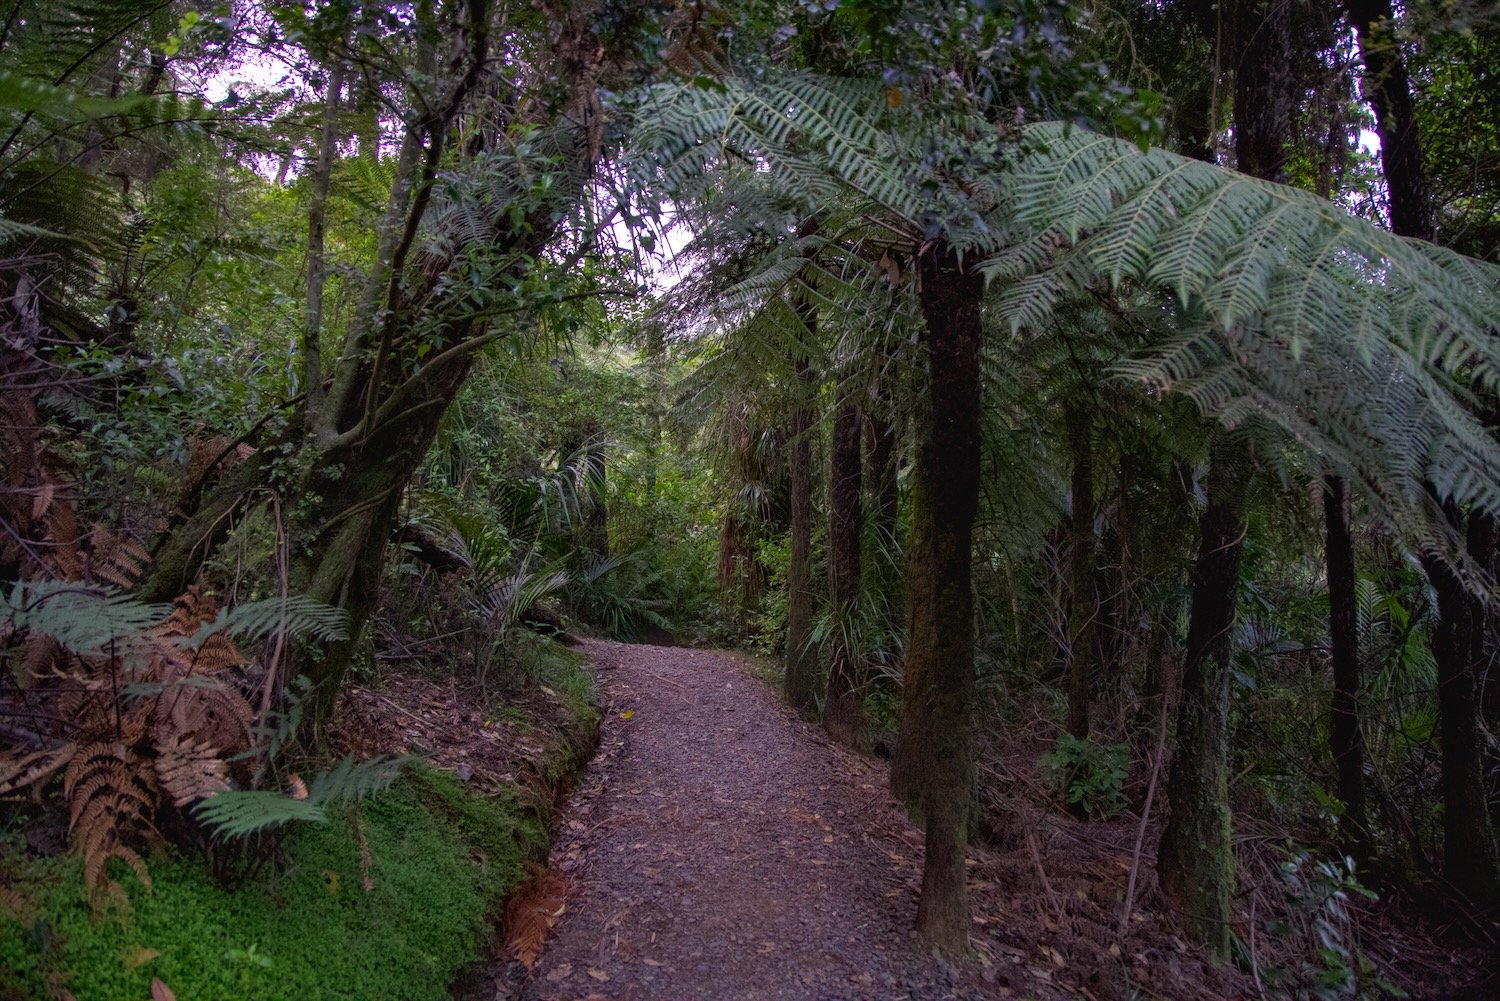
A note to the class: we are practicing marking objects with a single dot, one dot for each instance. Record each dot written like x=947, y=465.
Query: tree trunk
x=884, y=493
x=1469, y=856
x=1345, y=738
x=595, y=536
x=1083, y=605
x=1468, y=844
x=1387, y=86
x=883, y=570
x=934, y=764
x=349, y=462
x=1195, y=864
x=843, y=703
x=1484, y=546
x=801, y=657
x=742, y=577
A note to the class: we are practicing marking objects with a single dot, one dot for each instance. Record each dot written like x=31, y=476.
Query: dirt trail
x=720, y=848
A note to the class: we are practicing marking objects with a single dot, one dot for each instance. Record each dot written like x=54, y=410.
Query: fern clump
x=161, y=719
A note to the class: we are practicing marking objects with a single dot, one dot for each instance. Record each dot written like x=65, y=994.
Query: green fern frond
x=239, y=812
x=294, y=615
x=83, y=618
x=350, y=781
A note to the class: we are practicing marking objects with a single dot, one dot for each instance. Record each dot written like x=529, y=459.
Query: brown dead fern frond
x=189, y=770
x=112, y=794
x=32, y=771
x=532, y=911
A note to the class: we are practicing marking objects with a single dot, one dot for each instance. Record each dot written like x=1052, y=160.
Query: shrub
x=1088, y=776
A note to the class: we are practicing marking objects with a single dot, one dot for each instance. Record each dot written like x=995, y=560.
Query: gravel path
x=721, y=848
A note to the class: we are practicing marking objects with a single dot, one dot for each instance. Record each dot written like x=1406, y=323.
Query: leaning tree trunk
x=1345, y=739
x=843, y=703
x=364, y=432
x=934, y=764
x=801, y=656
x=1084, y=606
x=1195, y=865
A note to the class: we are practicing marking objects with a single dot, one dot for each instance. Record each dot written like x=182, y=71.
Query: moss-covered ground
x=441, y=860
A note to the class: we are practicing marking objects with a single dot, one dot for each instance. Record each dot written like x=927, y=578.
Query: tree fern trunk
x=934, y=764
x=1347, y=743
x=801, y=658
x=1194, y=862
x=843, y=705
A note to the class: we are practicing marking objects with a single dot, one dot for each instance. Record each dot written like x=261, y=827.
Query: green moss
x=562, y=671
x=308, y=931
x=501, y=833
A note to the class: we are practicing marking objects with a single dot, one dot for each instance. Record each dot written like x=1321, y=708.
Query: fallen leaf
x=598, y=974
x=137, y=955
x=562, y=972
x=161, y=992
x=627, y=714
x=653, y=962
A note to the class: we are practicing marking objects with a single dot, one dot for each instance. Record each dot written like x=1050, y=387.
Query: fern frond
x=350, y=781
x=239, y=812
x=18, y=772
x=111, y=794
x=83, y=618
x=294, y=616
x=189, y=770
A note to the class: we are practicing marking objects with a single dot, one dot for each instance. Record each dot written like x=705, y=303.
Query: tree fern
x=1248, y=280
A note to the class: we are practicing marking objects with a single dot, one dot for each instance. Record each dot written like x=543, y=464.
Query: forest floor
x=720, y=847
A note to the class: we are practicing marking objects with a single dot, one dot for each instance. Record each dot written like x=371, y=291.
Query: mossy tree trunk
x=934, y=765
x=843, y=703
x=1195, y=865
